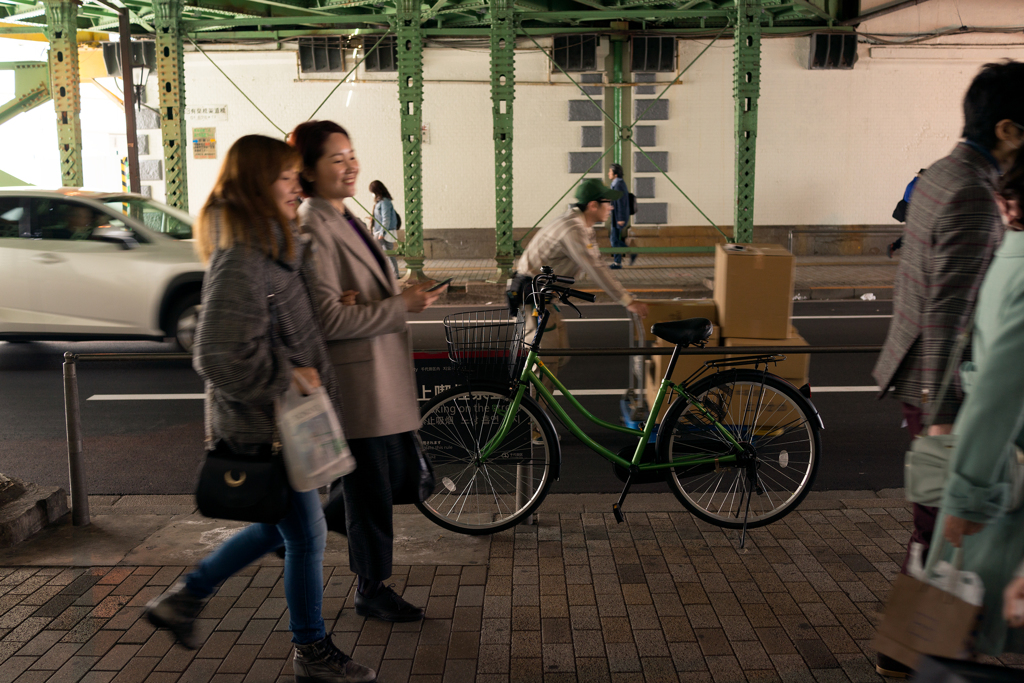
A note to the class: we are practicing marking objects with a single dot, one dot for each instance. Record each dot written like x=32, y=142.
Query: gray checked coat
x=953, y=228
x=244, y=365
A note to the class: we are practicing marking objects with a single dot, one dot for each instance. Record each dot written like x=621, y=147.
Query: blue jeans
x=386, y=245
x=304, y=533
x=615, y=237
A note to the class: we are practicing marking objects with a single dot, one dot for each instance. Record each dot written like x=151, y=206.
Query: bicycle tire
x=786, y=466
x=473, y=498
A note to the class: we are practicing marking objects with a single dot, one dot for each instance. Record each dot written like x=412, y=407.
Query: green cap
x=592, y=190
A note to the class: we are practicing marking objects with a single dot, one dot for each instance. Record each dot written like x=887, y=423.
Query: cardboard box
x=754, y=290
x=654, y=371
x=795, y=368
x=661, y=310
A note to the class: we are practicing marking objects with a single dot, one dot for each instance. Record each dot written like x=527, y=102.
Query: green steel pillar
x=410, y=95
x=62, y=31
x=503, y=92
x=617, y=42
x=746, y=89
x=170, y=71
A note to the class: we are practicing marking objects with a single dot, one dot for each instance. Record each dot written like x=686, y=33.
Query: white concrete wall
x=834, y=147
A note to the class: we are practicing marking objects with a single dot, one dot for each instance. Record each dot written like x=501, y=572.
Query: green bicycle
x=738, y=447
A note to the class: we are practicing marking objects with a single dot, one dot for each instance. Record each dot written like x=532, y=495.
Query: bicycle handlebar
x=585, y=296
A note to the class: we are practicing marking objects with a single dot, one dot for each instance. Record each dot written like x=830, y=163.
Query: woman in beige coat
x=363, y=312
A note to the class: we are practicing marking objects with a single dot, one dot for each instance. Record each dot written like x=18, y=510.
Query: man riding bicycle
x=569, y=247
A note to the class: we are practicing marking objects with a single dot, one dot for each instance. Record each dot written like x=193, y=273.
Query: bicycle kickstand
x=746, y=516
x=617, y=507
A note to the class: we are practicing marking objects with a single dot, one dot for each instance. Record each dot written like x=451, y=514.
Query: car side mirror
x=109, y=233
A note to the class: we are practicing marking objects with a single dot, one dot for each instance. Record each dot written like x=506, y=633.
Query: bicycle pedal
x=617, y=511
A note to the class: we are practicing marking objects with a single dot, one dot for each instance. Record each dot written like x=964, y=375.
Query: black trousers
x=361, y=503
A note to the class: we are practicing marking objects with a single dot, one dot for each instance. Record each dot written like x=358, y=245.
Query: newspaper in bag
x=315, y=450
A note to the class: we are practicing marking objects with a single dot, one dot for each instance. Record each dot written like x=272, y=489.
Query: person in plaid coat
x=953, y=228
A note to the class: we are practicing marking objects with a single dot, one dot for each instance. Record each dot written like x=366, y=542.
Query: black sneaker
x=177, y=610
x=632, y=259
x=323, y=662
x=387, y=605
x=887, y=666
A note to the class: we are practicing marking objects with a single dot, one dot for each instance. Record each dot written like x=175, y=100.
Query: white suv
x=77, y=265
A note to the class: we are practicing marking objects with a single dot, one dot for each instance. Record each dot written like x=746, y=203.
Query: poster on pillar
x=204, y=143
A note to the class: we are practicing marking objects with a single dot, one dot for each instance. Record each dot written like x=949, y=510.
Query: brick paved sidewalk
x=575, y=598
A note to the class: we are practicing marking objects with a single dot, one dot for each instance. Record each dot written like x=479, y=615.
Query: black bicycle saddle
x=685, y=332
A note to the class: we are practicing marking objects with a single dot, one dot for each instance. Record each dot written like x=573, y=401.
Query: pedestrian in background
x=248, y=357
x=620, y=215
x=953, y=228
x=975, y=511
x=385, y=220
x=370, y=346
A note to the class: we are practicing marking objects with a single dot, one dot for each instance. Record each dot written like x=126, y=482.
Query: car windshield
x=154, y=215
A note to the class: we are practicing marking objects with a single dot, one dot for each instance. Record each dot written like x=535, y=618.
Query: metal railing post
x=76, y=468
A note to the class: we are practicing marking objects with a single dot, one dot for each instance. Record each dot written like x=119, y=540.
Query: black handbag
x=246, y=488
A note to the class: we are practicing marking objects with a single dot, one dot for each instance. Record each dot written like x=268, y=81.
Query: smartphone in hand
x=440, y=284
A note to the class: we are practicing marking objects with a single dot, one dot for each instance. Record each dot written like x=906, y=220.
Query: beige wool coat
x=370, y=344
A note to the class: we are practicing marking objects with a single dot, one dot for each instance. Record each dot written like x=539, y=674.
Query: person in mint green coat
x=976, y=505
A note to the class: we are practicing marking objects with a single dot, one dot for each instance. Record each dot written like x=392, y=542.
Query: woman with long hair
x=385, y=220
x=257, y=334
x=978, y=511
x=370, y=346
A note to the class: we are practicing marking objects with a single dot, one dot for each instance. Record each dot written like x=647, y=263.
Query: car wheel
x=184, y=319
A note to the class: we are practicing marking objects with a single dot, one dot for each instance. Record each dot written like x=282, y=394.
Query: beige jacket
x=570, y=247
x=369, y=344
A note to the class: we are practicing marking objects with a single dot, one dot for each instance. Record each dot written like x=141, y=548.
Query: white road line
x=836, y=317
x=613, y=320
x=842, y=390
x=146, y=397
x=572, y=320
x=576, y=392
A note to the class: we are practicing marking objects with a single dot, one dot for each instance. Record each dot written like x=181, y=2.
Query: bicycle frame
x=529, y=378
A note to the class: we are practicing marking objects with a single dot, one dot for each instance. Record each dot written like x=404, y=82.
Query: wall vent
x=832, y=51
x=575, y=53
x=321, y=55
x=654, y=53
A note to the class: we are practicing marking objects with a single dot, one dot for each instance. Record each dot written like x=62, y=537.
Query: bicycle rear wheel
x=473, y=497
x=778, y=428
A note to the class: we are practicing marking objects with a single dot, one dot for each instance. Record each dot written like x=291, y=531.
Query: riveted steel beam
x=746, y=90
x=31, y=87
x=409, y=33
x=171, y=74
x=503, y=93
x=62, y=31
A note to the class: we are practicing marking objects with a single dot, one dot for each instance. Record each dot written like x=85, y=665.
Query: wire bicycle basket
x=486, y=344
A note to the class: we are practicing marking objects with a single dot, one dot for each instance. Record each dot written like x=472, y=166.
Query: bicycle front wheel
x=778, y=430
x=483, y=497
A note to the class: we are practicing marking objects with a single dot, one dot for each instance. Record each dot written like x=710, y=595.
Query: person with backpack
x=385, y=220
x=620, y=215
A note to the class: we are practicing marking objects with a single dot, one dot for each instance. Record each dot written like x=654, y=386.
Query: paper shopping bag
x=921, y=619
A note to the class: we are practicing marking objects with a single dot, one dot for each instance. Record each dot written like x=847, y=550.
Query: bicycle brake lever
x=565, y=300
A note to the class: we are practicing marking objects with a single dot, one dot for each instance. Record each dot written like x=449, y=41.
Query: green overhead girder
x=170, y=73
x=31, y=88
x=62, y=31
x=746, y=90
x=410, y=96
x=503, y=93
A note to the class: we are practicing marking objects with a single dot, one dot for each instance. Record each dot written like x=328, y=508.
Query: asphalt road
x=152, y=445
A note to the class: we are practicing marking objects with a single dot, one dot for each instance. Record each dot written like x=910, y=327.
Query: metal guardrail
x=72, y=414
x=897, y=231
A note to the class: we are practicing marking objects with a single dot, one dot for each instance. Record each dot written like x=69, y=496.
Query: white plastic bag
x=315, y=450
x=947, y=577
